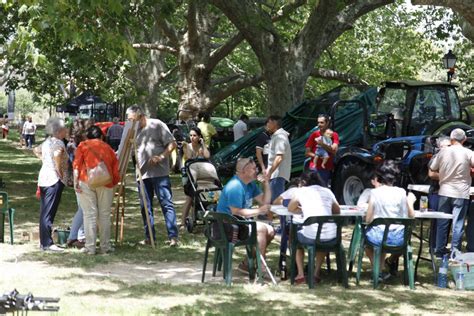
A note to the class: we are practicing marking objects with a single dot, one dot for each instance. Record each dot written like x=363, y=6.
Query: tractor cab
x=408, y=108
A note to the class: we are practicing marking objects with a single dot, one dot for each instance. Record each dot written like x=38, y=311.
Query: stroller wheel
x=189, y=225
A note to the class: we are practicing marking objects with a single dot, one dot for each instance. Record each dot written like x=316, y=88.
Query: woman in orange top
x=95, y=202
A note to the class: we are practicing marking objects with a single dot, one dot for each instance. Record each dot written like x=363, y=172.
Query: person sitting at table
x=311, y=194
x=236, y=199
x=387, y=200
x=363, y=200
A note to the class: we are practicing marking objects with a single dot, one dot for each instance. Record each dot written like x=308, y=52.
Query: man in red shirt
x=315, y=140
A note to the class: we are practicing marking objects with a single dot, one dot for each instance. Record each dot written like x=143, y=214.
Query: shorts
x=302, y=239
x=394, y=237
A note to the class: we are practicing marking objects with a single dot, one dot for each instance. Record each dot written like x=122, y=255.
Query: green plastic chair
x=224, y=249
x=334, y=245
x=4, y=209
x=405, y=249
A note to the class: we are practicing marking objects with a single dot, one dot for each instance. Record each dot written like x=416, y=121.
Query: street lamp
x=449, y=61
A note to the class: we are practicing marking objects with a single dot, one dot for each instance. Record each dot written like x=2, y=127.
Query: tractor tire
x=351, y=180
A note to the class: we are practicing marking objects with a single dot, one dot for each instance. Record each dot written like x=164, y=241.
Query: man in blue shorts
x=237, y=198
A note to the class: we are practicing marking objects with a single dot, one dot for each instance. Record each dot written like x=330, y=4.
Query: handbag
x=98, y=176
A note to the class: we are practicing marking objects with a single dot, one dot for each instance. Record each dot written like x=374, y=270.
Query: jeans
x=49, y=202
x=277, y=186
x=77, y=226
x=29, y=140
x=161, y=186
x=470, y=228
x=457, y=207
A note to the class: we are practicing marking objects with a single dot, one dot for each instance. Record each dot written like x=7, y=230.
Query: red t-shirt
x=312, y=144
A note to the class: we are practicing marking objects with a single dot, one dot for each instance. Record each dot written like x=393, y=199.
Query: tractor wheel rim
x=353, y=187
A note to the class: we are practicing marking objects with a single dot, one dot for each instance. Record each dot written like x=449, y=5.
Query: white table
x=425, y=188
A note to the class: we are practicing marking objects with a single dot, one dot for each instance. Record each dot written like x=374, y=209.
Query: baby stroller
x=203, y=186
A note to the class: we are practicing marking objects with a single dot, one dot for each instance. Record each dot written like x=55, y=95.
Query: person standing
x=5, y=127
x=114, y=134
x=240, y=128
x=95, y=202
x=279, y=171
x=316, y=140
x=262, y=148
x=207, y=129
x=21, y=123
x=51, y=179
x=29, y=130
x=154, y=145
x=452, y=166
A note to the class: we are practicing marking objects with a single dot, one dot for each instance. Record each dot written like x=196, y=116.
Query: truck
x=400, y=120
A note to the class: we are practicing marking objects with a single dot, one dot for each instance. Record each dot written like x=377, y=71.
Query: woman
x=387, y=200
x=76, y=235
x=311, y=194
x=52, y=178
x=95, y=202
x=195, y=149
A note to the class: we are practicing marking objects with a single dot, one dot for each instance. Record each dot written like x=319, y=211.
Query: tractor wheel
x=352, y=179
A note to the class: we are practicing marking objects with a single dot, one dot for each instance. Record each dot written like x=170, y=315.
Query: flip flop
x=300, y=280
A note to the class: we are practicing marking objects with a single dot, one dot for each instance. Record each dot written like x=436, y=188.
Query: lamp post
x=449, y=61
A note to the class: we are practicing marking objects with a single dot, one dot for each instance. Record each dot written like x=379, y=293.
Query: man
x=114, y=134
x=29, y=130
x=207, y=129
x=452, y=166
x=279, y=171
x=316, y=140
x=240, y=128
x=237, y=197
x=262, y=148
x=154, y=145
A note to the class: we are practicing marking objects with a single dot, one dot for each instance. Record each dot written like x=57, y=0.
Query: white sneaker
x=54, y=248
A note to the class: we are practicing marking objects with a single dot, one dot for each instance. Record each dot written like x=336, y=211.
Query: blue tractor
x=407, y=119
x=399, y=121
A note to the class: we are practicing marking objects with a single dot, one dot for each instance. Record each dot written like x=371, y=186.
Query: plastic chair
x=224, y=249
x=405, y=249
x=334, y=245
x=4, y=209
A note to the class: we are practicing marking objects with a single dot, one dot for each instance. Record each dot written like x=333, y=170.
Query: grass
x=138, y=280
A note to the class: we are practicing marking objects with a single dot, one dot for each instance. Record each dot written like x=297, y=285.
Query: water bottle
x=443, y=273
x=423, y=203
x=460, y=278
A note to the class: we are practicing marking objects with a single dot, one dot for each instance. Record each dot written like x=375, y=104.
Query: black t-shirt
x=263, y=141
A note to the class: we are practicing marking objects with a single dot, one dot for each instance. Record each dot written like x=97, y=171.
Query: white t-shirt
x=240, y=128
x=316, y=200
x=280, y=145
x=389, y=201
x=454, y=166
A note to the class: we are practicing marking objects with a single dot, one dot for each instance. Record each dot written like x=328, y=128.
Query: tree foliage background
x=46, y=44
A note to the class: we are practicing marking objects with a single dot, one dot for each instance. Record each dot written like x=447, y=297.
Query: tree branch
x=160, y=47
x=217, y=55
x=219, y=94
x=463, y=7
x=168, y=30
x=336, y=75
x=287, y=9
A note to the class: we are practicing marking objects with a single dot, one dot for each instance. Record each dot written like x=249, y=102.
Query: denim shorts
x=302, y=239
x=394, y=237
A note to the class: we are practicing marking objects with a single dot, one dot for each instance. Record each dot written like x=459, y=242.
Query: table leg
x=419, y=249
x=355, y=242
x=432, y=256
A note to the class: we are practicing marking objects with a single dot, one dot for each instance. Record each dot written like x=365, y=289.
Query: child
x=321, y=152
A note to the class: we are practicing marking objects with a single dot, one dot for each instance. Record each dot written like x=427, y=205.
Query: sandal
x=300, y=280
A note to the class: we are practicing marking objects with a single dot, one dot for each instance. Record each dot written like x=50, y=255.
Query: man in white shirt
x=452, y=165
x=240, y=128
x=29, y=130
